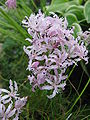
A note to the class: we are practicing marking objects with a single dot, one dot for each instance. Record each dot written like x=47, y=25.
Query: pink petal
x=9, y=108
x=4, y=90
x=7, y=101
x=11, y=113
x=15, y=85
x=5, y=97
x=53, y=95
x=47, y=87
x=35, y=64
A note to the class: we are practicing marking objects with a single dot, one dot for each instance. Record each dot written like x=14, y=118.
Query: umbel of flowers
x=53, y=48
x=11, y=3
x=10, y=103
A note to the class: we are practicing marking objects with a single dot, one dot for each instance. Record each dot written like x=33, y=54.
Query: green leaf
x=77, y=10
x=25, y=7
x=71, y=18
x=58, y=1
x=14, y=35
x=4, y=24
x=74, y=7
x=87, y=11
x=60, y=6
x=77, y=29
x=34, y=4
x=14, y=24
x=42, y=3
x=80, y=1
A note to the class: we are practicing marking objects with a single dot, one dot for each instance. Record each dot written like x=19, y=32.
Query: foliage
x=87, y=11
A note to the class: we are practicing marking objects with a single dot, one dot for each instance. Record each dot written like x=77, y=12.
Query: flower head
x=9, y=94
x=52, y=50
x=11, y=3
x=10, y=102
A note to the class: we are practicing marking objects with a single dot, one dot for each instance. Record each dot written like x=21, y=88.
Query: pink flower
x=10, y=103
x=9, y=94
x=11, y=3
x=85, y=35
x=55, y=84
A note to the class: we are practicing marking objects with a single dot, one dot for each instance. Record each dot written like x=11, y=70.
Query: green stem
x=84, y=68
x=78, y=97
x=71, y=72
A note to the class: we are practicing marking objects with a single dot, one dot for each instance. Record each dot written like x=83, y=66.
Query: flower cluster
x=11, y=3
x=10, y=102
x=52, y=49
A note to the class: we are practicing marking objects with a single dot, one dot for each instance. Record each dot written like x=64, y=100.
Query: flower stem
x=78, y=97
